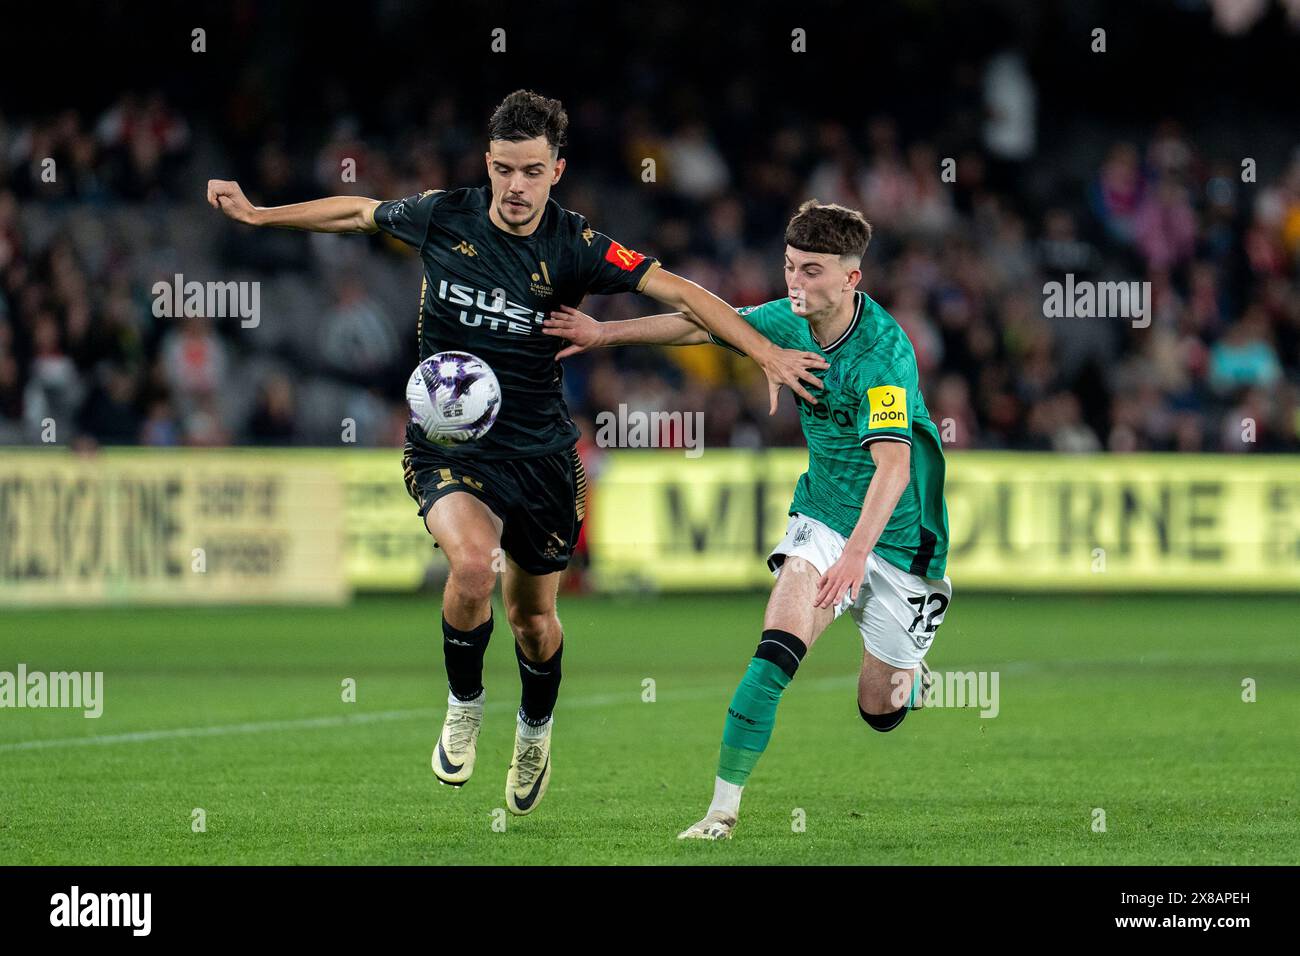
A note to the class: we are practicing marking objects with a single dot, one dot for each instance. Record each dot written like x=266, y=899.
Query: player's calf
x=884, y=705
x=751, y=717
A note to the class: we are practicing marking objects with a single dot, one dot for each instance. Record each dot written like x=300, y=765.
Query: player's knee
x=473, y=580
x=883, y=722
x=531, y=628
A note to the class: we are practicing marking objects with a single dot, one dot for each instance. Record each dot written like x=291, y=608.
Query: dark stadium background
x=741, y=128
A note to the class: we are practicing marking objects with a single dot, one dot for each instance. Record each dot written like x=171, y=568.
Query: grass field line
x=347, y=720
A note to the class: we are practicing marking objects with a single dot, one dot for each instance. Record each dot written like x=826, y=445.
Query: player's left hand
x=844, y=574
x=790, y=368
x=581, y=330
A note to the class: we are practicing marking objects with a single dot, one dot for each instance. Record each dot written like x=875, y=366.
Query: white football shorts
x=897, y=613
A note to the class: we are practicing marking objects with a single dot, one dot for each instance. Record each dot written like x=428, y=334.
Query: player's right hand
x=226, y=195
x=790, y=367
x=580, y=330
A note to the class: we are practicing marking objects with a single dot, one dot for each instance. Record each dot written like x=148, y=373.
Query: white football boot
x=530, y=770
x=453, y=754
x=716, y=825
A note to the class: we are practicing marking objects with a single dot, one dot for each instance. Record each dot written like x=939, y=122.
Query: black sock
x=541, y=686
x=463, y=652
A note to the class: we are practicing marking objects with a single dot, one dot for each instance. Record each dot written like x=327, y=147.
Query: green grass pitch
x=1128, y=704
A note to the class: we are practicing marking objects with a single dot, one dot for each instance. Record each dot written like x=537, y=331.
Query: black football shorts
x=541, y=501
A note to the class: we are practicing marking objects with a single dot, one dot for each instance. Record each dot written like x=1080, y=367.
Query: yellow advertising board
x=194, y=526
x=387, y=546
x=1016, y=521
x=244, y=525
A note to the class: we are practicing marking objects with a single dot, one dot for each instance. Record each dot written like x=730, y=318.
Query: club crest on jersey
x=888, y=407
x=619, y=255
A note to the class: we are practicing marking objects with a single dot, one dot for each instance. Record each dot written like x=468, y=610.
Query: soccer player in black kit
x=497, y=259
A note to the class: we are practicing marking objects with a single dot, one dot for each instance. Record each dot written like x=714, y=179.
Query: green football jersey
x=872, y=394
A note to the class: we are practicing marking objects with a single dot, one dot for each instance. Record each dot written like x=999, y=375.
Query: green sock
x=750, y=719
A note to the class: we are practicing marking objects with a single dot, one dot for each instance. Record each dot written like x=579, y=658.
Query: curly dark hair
x=525, y=114
x=829, y=227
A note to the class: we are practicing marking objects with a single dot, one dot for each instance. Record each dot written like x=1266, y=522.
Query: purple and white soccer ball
x=454, y=397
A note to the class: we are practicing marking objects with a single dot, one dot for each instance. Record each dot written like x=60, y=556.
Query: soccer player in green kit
x=868, y=529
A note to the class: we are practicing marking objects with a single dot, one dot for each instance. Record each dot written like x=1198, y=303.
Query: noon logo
x=888, y=407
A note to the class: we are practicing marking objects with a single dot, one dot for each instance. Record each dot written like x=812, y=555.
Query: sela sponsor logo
x=638, y=429
x=211, y=300
x=77, y=690
x=824, y=411
x=1098, y=300
x=490, y=310
x=626, y=259
x=888, y=407
x=103, y=909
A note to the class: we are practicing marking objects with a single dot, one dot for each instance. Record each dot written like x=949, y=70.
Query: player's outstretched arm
x=582, y=332
x=893, y=471
x=332, y=214
x=788, y=367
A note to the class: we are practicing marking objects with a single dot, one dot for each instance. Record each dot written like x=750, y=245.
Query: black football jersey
x=486, y=291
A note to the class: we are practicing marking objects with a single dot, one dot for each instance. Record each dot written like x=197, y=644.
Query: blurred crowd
x=96, y=209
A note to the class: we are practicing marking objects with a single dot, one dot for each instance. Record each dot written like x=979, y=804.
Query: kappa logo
x=888, y=407
x=466, y=248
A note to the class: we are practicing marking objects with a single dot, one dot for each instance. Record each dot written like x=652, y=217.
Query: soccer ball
x=454, y=397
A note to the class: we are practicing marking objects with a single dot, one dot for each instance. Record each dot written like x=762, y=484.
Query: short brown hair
x=525, y=115
x=829, y=227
